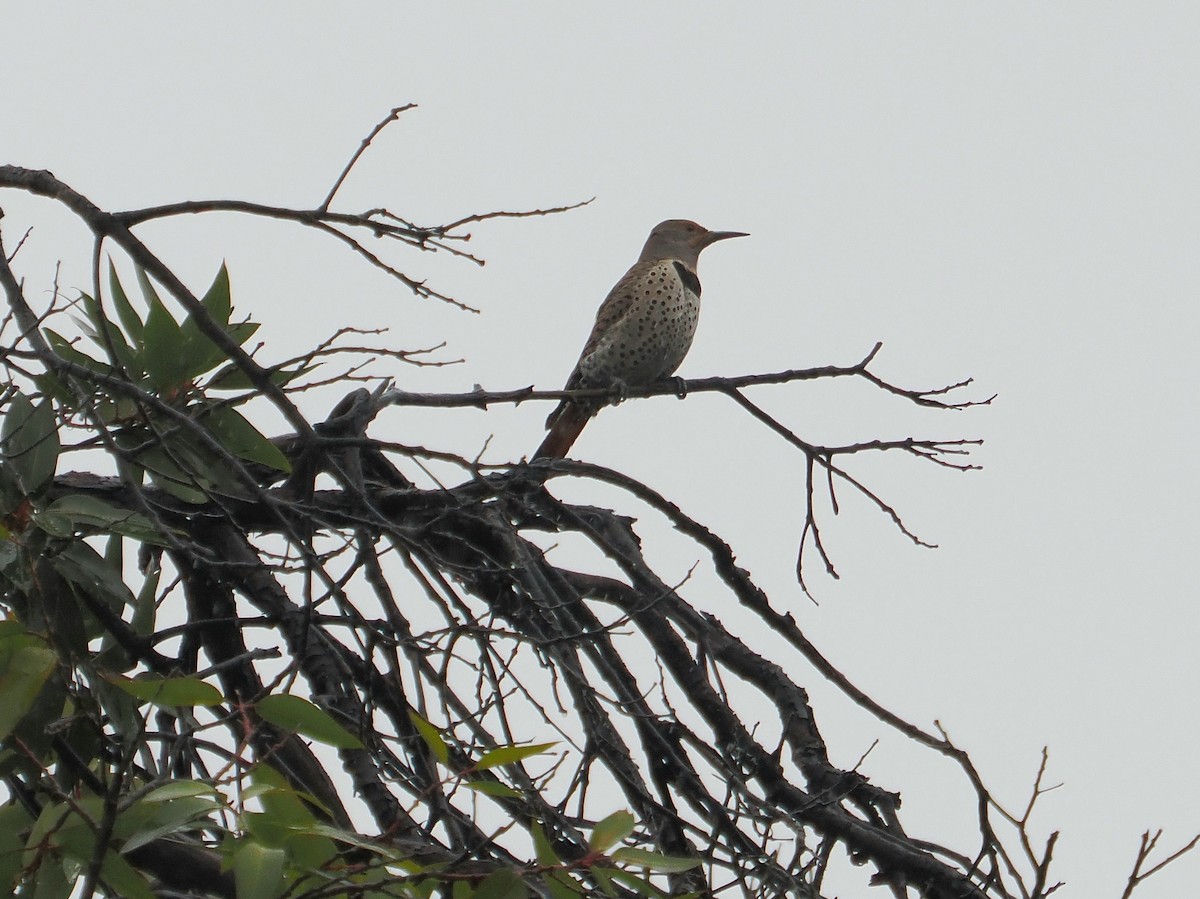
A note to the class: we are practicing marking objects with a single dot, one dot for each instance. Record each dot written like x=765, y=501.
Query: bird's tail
x=566, y=424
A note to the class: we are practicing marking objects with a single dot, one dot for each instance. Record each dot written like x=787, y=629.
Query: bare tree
x=505, y=724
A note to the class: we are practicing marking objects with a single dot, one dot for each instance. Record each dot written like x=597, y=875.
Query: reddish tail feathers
x=566, y=424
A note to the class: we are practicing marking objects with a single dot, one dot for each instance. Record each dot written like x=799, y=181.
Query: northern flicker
x=643, y=329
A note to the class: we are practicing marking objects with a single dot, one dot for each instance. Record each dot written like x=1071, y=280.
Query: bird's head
x=683, y=240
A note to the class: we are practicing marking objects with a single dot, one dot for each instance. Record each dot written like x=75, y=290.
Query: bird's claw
x=681, y=387
x=620, y=391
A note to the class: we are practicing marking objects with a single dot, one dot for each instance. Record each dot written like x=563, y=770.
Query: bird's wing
x=616, y=306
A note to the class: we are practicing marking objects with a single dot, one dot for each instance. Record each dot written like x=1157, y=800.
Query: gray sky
x=1003, y=191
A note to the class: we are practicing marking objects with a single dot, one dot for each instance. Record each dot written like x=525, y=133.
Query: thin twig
x=366, y=142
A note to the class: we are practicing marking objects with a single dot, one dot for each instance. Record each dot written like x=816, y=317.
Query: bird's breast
x=649, y=341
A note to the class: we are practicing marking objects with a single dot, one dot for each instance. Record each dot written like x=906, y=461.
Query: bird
x=643, y=328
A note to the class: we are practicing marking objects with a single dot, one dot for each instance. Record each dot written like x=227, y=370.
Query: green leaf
x=52, y=387
x=546, y=855
x=217, y=301
x=280, y=800
x=161, y=342
x=53, y=816
x=432, y=737
x=109, y=338
x=563, y=885
x=422, y=889
x=180, y=464
x=612, y=830
x=85, y=325
x=604, y=877
x=81, y=739
x=11, y=495
x=121, y=709
x=42, y=726
x=76, y=841
x=125, y=880
x=164, y=818
x=14, y=820
x=638, y=884
x=231, y=377
x=506, y=755
x=29, y=439
x=242, y=439
x=25, y=664
x=114, y=551
x=198, y=349
x=50, y=880
x=10, y=556
x=266, y=829
x=643, y=858
x=95, y=513
x=170, y=477
x=84, y=567
x=163, y=463
x=169, y=691
x=149, y=294
x=503, y=883
x=308, y=852
x=202, y=463
x=53, y=524
x=180, y=789
x=113, y=656
x=96, y=319
x=258, y=871
x=126, y=314
x=350, y=838
x=492, y=788
x=298, y=715
x=145, y=605
x=66, y=350
x=243, y=331
x=305, y=848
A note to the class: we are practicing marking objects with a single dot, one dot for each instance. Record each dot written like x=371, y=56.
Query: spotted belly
x=650, y=340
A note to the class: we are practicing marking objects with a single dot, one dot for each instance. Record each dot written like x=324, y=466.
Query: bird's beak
x=711, y=237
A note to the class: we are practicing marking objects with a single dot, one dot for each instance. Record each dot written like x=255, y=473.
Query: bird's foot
x=681, y=387
x=620, y=391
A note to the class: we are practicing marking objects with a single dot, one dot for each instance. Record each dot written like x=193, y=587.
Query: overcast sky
x=1004, y=191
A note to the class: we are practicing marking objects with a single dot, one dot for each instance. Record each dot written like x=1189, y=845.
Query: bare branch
x=392, y=116
x=674, y=387
x=418, y=599
x=1148, y=844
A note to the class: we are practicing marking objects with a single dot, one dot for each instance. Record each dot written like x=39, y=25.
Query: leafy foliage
x=78, y=670
x=167, y=360
x=315, y=667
